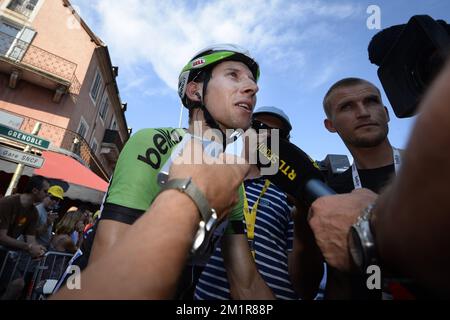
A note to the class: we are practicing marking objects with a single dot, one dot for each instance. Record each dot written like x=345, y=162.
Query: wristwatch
x=361, y=241
x=208, y=216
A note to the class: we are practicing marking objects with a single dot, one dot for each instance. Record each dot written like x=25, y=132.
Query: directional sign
x=24, y=137
x=21, y=157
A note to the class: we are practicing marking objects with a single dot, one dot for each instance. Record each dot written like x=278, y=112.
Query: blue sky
x=303, y=46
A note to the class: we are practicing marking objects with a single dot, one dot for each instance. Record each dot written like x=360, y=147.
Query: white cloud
x=157, y=91
x=136, y=83
x=322, y=77
x=165, y=34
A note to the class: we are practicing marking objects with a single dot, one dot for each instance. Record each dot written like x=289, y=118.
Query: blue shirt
x=272, y=243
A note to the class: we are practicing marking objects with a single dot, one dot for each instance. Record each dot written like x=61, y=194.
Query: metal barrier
x=15, y=265
x=34, y=272
x=50, y=268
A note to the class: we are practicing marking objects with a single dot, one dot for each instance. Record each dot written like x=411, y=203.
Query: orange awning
x=84, y=184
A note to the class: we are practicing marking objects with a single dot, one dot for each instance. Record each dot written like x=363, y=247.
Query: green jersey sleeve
x=134, y=184
x=236, y=217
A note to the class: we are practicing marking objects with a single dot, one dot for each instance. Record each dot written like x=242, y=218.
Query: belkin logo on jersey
x=163, y=142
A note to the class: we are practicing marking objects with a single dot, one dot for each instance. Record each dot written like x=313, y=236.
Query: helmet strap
x=210, y=121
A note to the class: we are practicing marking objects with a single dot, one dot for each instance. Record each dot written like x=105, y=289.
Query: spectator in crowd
x=88, y=222
x=19, y=217
x=71, y=223
x=47, y=215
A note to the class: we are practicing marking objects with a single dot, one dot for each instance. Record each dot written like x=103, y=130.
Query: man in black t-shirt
x=373, y=179
x=409, y=222
x=355, y=111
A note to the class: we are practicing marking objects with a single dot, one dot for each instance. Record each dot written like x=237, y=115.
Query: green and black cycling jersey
x=134, y=185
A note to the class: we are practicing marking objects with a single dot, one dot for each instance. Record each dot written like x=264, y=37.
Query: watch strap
x=188, y=187
x=363, y=233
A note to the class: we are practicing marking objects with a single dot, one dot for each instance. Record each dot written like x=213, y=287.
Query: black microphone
x=297, y=174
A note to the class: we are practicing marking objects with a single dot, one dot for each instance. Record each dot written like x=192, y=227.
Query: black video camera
x=409, y=58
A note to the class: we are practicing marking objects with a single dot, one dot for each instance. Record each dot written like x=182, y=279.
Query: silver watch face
x=198, y=239
x=356, y=249
x=212, y=220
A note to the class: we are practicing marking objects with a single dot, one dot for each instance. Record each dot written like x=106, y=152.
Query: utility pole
x=181, y=117
x=20, y=166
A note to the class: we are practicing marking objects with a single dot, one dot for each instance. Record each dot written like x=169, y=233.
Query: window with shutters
x=94, y=146
x=21, y=44
x=96, y=86
x=14, y=39
x=113, y=125
x=83, y=128
x=104, y=105
x=25, y=7
x=8, y=34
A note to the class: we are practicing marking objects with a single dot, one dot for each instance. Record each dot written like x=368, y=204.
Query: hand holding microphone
x=297, y=175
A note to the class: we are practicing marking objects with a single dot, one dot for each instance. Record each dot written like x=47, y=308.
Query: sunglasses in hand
x=258, y=125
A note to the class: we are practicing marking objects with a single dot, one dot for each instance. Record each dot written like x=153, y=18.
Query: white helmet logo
x=198, y=62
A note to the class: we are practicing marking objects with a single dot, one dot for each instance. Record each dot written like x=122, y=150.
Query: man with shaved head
x=355, y=111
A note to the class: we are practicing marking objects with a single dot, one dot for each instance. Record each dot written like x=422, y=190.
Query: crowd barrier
x=39, y=275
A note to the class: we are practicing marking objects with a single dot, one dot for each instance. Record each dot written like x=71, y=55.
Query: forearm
x=411, y=221
x=31, y=239
x=249, y=287
x=245, y=281
x=147, y=261
x=255, y=289
x=13, y=243
x=108, y=232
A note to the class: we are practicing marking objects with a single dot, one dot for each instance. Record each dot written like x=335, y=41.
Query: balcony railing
x=19, y=51
x=68, y=142
x=112, y=136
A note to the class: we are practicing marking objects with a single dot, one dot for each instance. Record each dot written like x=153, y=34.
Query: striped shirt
x=272, y=243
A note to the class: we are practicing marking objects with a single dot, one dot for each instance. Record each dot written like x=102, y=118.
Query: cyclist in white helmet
x=218, y=86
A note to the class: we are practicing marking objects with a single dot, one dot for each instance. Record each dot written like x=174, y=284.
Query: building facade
x=55, y=70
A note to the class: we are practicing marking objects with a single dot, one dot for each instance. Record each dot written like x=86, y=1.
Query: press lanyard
x=397, y=163
x=250, y=215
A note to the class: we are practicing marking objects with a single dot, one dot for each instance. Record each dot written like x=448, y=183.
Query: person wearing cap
x=44, y=227
x=218, y=86
x=270, y=229
x=47, y=214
